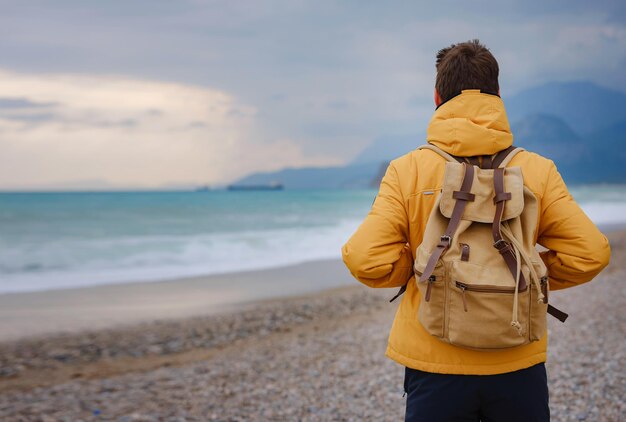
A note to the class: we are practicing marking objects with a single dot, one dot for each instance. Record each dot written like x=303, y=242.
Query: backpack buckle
x=445, y=239
x=500, y=244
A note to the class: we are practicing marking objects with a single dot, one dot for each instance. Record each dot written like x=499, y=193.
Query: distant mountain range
x=353, y=176
x=584, y=106
x=598, y=157
x=579, y=125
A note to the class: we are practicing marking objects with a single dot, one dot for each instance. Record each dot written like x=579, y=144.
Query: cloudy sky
x=151, y=93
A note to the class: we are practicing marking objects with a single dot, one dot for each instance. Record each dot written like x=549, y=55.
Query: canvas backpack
x=481, y=280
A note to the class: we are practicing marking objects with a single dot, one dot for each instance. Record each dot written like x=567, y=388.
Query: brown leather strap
x=500, y=156
x=558, y=314
x=453, y=224
x=505, y=249
x=465, y=251
x=497, y=160
x=486, y=163
x=402, y=290
x=502, y=196
x=464, y=196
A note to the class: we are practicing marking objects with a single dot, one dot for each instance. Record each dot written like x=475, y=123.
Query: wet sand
x=31, y=314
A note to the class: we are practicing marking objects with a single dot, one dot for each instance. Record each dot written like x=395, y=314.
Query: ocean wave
x=150, y=258
x=605, y=212
x=49, y=251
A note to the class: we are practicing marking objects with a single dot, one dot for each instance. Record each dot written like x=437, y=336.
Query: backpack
x=481, y=280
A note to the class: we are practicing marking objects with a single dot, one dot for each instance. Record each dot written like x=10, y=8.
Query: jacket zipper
x=483, y=289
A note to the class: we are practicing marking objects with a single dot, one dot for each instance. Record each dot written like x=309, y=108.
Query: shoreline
x=70, y=310
x=606, y=228
x=53, y=312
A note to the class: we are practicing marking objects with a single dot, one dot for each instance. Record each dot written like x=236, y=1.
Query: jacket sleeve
x=378, y=254
x=577, y=250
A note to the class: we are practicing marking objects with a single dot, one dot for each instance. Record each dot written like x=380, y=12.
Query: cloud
x=21, y=103
x=327, y=77
x=129, y=132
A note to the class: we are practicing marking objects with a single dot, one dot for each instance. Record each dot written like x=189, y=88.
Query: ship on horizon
x=203, y=188
x=271, y=186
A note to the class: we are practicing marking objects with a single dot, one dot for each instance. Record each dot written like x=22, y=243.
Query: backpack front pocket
x=482, y=316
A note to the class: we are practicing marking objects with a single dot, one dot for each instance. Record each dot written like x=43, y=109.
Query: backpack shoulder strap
x=503, y=158
x=441, y=152
x=462, y=197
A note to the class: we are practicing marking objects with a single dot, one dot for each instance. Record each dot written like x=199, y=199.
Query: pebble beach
x=314, y=357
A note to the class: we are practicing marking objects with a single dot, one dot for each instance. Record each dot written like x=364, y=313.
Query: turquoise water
x=51, y=240
x=54, y=240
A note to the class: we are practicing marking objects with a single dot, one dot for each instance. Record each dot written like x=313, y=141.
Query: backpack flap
x=482, y=208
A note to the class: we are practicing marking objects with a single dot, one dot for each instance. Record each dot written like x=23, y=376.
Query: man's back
x=380, y=253
x=446, y=382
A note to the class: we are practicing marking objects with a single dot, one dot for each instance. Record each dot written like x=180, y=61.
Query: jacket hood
x=472, y=123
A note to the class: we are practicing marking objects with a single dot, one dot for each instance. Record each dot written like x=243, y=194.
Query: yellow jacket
x=380, y=253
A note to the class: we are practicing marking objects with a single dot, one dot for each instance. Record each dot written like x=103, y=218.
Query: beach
x=312, y=350
x=104, y=306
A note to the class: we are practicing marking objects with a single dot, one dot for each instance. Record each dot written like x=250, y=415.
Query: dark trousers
x=514, y=396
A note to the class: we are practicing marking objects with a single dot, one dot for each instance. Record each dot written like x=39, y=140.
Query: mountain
x=594, y=158
x=584, y=106
x=609, y=152
x=582, y=109
x=611, y=140
x=353, y=176
x=579, y=125
x=551, y=137
x=548, y=135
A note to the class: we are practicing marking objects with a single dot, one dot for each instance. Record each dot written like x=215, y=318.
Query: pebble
x=308, y=359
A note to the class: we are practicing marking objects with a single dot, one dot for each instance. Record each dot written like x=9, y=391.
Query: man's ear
x=437, y=98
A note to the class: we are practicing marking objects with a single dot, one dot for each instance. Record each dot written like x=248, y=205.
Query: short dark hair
x=466, y=65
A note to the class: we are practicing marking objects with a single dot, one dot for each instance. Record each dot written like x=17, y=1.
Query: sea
x=54, y=240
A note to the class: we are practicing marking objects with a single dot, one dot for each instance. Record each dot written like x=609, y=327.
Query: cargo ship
x=271, y=186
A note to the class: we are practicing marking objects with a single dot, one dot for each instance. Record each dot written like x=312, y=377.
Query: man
x=446, y=382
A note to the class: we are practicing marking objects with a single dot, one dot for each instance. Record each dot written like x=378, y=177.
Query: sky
x=161, y=93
